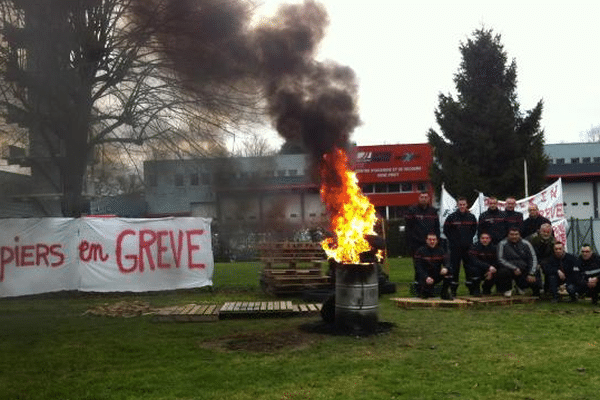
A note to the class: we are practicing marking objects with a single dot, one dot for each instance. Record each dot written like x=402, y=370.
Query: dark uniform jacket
x=460, y=228
x=494, y=223
x=420, y=222
x=568, y=264
x=514, y=218
x=590, y=268
x=544, y=248
x=481, y=257
x=532, y=225
x=519, y=255
x=429, y=262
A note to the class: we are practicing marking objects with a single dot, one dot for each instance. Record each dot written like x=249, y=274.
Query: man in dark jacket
x=493, y=221
x=512, y=217
x=589, y=263
x=421, y=219
x=432, y=266
x=459, y=228
x=532, y=224
x=483, y=260
x=517, y=261
x=562, y=268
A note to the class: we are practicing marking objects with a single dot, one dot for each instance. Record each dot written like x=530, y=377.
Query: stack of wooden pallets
x=292, y=267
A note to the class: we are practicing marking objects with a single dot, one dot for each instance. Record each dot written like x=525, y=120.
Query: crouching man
x=562, y=269
x=483, y=259
x=432, y=267
x=517, y=261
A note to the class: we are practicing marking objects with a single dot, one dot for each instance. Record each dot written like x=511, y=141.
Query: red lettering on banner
x=145, y=245
x=176, y=249
x=560, y=211
x=160, y=249
x=119, y=251
x=554, y=192
x=30, y=255
x=91, y=251
x=150, y=241
x=560, y=233
x=543, y=195
x=192, y=247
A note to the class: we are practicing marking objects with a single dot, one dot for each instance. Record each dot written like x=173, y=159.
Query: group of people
x=510, y=253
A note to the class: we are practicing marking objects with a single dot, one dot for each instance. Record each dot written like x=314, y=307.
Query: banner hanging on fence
x=104, y=254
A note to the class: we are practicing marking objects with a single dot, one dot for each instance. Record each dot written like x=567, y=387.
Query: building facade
x=578, y=164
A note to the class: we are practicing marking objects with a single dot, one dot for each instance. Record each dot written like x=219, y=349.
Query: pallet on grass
x=189, y=313
x=500, y=300
x=415, y=302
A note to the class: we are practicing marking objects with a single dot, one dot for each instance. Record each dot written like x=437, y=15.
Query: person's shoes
x=508, y=293
x=487, y=292
x=519, y=291
x=446, y=294
x=573, y=298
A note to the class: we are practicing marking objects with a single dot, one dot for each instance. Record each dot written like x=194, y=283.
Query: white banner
x=104, y=254
x=549, y=202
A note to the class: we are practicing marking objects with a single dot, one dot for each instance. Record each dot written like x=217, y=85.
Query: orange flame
x=352, y=216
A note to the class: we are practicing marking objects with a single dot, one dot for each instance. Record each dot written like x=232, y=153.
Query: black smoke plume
x=211, y=43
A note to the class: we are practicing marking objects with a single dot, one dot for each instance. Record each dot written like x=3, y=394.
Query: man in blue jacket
x=460, y=228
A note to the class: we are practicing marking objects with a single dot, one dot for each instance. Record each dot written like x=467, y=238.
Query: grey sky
x=406, y=52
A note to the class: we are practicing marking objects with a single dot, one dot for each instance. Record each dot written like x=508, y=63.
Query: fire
x=352, y=214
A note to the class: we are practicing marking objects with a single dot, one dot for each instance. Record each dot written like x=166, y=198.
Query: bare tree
x=591, y=135
x=80, y=74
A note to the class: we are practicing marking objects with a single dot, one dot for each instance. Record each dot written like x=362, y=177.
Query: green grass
x=50, y=350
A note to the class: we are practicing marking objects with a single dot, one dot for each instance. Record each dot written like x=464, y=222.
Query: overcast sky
x=406, y=52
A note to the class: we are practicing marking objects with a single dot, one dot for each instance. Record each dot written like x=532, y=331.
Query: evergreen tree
x=485, y=137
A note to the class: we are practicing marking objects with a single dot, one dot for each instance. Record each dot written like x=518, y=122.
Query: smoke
x=211, y=44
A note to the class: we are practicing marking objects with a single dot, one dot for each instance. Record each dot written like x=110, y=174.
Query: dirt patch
x=125, y=309
x=264, y=342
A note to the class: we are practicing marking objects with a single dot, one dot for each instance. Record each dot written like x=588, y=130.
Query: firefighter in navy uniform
x=562, y=268
x=589, y=264
x=460, y=228
x=512, y=217
x=493, y=221
x=431, y=262
x=483, y=262
x=421, y=219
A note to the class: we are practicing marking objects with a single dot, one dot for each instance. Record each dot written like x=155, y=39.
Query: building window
x=406, y=187
x=560, y=161
x=586, y=203
x=178, y=179
x=194, y=180
x=368, y=188
x=422, y=187
x=381, y=188
x=281, y=172
x=596, y=159
x=394, y=188
x=292, y=172
x=575, y=204
x=575, y=160
x=293, y=215
x=586, y=160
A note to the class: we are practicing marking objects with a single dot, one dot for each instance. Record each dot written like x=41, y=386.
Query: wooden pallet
x=412, y=302
x=189, y=313
x=500, y=300
x=293, y=281
x=291, y=254
x=234, y=309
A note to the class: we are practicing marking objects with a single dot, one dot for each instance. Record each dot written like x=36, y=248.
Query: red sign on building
x=393, y=175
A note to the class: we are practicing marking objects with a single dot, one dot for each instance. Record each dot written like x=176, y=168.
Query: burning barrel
x=356, y=298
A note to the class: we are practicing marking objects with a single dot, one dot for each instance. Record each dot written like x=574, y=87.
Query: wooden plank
x=270, y=306
x=288, y=305
x=303, y=307
x=244, y=306
x=263, y=306
x=311, y=307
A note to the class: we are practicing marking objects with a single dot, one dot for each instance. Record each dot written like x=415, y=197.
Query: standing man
x=562, y=269
x=459, y=228
x=431, y=262
x=590, y=266
x=512, y=217
x=517, y=261
x=532, y=224
x=483, y=260
x=421, y=219
x=493, y=221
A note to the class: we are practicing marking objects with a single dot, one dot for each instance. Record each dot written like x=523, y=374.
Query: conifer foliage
x=484, y=138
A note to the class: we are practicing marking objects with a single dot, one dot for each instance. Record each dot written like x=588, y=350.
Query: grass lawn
x=50, y=349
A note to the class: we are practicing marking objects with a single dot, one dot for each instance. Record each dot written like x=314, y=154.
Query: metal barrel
x=356, y=297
